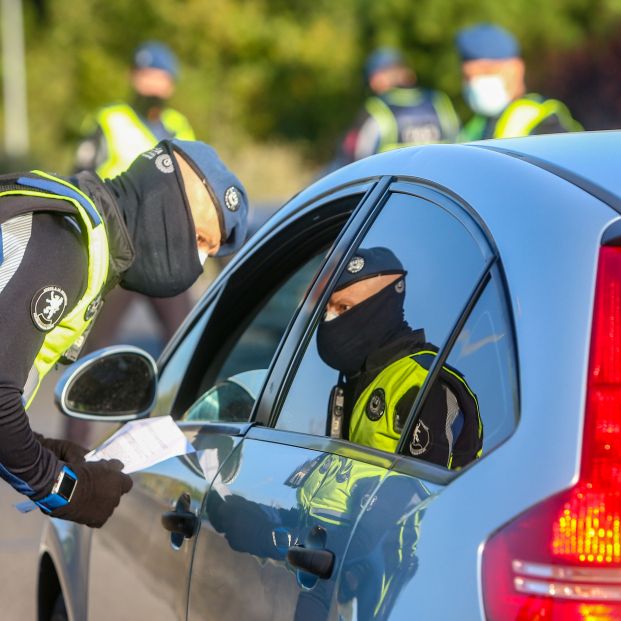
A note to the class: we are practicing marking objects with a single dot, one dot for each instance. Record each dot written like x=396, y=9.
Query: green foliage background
x=261, y=74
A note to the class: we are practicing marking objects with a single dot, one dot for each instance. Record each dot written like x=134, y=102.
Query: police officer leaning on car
x=494, y=88
x=64, y=243
x=383, y=363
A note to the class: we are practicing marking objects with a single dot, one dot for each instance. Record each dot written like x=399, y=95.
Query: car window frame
x=294, y=345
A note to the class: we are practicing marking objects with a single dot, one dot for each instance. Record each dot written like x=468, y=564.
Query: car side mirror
x=113, y=384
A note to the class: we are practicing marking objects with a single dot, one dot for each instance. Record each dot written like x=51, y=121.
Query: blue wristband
x=61, y=493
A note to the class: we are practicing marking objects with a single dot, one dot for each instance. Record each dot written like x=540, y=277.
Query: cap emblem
x=355, y=265
x=164, y=163
x=231, y=199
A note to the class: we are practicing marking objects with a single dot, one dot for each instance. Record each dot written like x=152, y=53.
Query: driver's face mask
x=345, y=341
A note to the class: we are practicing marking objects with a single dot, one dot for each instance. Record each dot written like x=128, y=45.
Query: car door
x=143, y=555
x=274, y=539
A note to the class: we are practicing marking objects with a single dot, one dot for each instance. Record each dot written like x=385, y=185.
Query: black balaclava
x=345, y=342
x=152, y=199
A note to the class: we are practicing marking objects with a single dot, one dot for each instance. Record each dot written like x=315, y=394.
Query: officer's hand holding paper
x=143, y=443
x=135, y=446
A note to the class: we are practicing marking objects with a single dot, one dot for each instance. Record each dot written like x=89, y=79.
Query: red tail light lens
x=561, y=560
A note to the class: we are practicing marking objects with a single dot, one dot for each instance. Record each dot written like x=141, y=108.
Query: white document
x=138, y=444
x=143, y=443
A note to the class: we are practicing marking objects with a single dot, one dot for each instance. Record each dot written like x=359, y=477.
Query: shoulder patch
x=376, y=405
x=421, y=438
x=47, y=307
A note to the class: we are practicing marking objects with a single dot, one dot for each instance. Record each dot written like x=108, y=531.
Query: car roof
x=586, y=159
x=578, y=157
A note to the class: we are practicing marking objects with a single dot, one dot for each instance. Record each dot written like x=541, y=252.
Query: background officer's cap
x=155, y=55
x=382, y=58
x=225, y=188
x=368, y=262
x=486, y=41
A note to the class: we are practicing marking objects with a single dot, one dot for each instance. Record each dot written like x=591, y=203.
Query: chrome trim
x=567, y=572
x=562, y=590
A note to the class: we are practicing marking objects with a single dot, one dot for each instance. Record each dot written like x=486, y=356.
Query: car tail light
x=561, y=559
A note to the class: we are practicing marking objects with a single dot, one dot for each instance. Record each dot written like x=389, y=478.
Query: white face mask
x=486, y=95
x=202, y=256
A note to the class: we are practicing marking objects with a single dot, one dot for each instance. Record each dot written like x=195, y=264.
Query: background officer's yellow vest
x=520, y=118
x=75, y=322
x=127, y=136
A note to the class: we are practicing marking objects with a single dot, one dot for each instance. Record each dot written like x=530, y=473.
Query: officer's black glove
x=97, y=493
x=65, y=450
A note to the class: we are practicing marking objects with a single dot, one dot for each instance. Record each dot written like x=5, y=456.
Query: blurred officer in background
x=124, y=130
x=117, y=135
x=494, y=88
x=64, y=244
x=383, y=363
x=398, y=113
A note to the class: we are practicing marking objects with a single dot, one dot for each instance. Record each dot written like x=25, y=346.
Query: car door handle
x=180, y=522
x=314, y=561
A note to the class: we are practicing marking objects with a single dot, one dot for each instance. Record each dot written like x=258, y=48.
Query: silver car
x=513, y=256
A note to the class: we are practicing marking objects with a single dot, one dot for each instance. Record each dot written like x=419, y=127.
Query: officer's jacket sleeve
x=36, y=251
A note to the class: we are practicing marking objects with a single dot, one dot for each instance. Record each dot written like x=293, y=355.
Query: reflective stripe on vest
x=58, y=340
x=127, y=136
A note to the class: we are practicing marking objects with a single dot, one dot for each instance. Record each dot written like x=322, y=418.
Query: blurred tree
x=281, y=71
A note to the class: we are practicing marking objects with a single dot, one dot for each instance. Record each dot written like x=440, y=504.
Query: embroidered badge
x=420, y=439
x=93, y=308
x=47, y=307
x=231, y=199
x=376, y=405
x=164, y=163
x=355, y=265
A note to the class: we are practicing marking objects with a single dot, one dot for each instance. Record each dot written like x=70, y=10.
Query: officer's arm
x=38, y=251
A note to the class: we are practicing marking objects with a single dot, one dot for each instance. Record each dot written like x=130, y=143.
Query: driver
x=383, y=364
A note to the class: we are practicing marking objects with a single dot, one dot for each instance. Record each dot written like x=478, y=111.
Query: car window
x=251, y=315
x=172, y=374
x=230, y=400
x=228, y=392
x=442, y=258
x=484, y=357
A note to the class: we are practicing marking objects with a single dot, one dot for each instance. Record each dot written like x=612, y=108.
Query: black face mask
x=345, y=342
x=143, y=104
x=152, y=200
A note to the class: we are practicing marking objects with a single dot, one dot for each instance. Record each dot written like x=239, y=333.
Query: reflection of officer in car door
x=64, y=243
x=383, y=364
